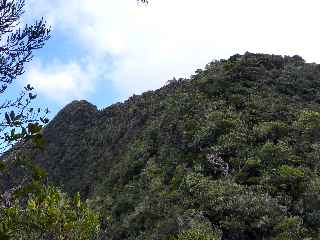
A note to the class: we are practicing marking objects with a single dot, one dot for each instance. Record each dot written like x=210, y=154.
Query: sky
x=104, y=51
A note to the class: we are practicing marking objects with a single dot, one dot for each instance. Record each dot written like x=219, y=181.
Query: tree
x=17, y=44
x=19, y=122
x=48, y=214
x=30, y=209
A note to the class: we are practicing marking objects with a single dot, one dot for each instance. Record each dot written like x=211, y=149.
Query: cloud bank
x=62, y=82
x=150, y=45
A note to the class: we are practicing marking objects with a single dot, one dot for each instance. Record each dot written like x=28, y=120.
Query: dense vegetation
x=231, y=153
x=47, y=214
x=29, y=207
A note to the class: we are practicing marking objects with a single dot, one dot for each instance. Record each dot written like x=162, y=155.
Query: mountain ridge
x=229, y=153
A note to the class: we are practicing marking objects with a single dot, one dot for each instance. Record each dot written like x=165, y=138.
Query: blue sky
x=106, y=50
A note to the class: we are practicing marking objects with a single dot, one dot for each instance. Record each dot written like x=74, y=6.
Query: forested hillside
x=231, y=153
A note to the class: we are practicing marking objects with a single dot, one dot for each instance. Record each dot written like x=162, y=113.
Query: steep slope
x=231, y=152
x=65, y=134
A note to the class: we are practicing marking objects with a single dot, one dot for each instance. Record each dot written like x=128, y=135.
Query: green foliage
x=231, y=153
x=290, y=228
x=251, y=172
x=195, y=234
x=273, y=155
x=272, y=131
x=16, y=50
x=308, y=123
x=48, y=214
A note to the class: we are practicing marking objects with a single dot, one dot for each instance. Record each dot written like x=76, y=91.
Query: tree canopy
x=230, y=153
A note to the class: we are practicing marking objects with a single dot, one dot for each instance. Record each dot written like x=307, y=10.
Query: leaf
x=44, y=120
x=29, y=87
x=7, y=118
x=12, y=115
x=31, y=204
x=32, y=96
x=13, y=133
x=77, y=200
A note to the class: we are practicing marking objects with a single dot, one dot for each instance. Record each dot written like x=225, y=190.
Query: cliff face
x=231, y=152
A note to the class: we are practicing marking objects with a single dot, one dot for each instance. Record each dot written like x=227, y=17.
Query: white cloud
x=62, y=82
x=173, y=38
